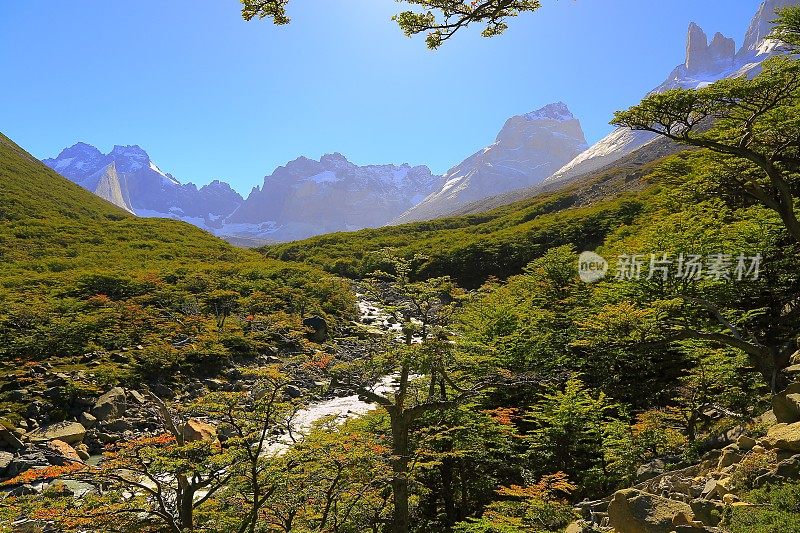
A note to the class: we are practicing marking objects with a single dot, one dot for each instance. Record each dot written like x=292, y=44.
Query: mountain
x=528, y=149
x=128, y=178
x=307, y=197
x=301, y=199
x=705, y=63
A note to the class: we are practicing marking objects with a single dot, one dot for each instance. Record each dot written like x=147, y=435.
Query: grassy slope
x=48, y=225
x=81, y=276
x=496, y=243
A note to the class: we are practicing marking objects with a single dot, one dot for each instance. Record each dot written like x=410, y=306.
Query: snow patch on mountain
x=705, y=63
x=528, y=148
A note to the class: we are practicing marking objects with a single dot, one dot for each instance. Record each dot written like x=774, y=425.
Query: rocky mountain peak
x=702, y=56
x=555, y=111
x=761, y=25
x=80, y=149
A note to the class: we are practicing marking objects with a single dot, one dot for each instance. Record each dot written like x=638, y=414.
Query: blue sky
x=210, y=96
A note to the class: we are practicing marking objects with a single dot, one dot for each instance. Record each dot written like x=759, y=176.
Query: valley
x=550, y=337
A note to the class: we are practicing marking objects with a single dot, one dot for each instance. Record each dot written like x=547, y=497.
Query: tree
x=568, y=434
x=253, y=421
x=181, y=480
x=428, y=375
x=452, y=16
x=787, y=26
x=754, y=124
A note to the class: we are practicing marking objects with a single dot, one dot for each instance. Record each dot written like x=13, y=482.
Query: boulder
x=650, y=470
x=709, y=512
x=137, y=397
x=786, y=404
x=110, y=405
x=69, y=432
x=783, y=437
x=292, y=391
x=5, y=460
x=788, y=469
x=318, y=327
x=64, y=450
x=195, y=429
x=88, y=420
x=634, y=511
x=8, y=440
x=30, y=459
x=745, y=443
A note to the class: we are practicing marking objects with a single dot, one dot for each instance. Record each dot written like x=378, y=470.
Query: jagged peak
x=761, y=25
x=80, y=148
x=133, y=150
x=555, y=111
x=702, y=56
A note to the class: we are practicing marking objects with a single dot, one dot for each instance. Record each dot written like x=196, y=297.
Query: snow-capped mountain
x=302, y=199
x=528, y=149
x=307, y=197
x=127, y=177
x=705, y=62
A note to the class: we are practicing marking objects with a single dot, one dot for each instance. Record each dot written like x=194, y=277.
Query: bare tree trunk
x=400, y=473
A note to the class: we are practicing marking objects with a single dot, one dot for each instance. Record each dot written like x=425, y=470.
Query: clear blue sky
x=211, y=96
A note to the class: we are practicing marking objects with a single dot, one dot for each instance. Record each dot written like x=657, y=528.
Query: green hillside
x=81, y=276
x=498, y=243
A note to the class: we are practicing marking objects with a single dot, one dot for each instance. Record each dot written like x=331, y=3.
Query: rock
x=650, y=470
x=137, y=397
x=786, y=404
x=5, y=460
x=745, y=443
x=110, y=405
x=709, y=512
x=634, y=511
x=319, y=328
x=23, y=490
x=788, y=469
x=574, y=527
x=783, y=437
x=69, y=432
x=293, y=391
x=8, y=440
x=29, y=458
x=64, y=450
x=88, y=420
x=195, y=429
x=729, y=457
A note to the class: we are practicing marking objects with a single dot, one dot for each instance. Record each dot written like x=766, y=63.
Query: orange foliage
x=549, y=486
x=40, y=474
x=320, y=361
x=503, y=415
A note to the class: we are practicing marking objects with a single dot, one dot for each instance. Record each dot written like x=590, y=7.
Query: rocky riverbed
x=120, y=414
